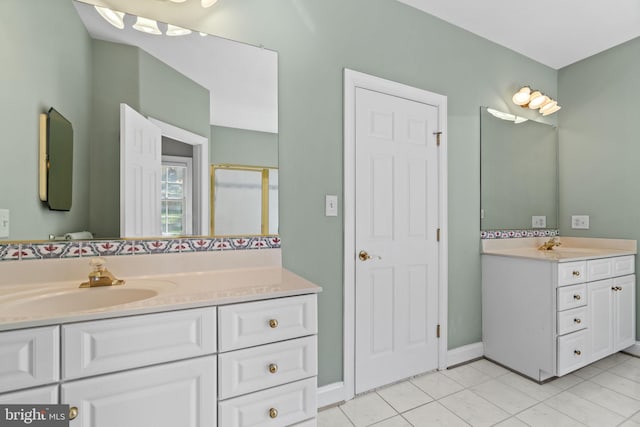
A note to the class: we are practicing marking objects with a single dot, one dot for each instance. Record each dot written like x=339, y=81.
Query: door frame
x=352, y=80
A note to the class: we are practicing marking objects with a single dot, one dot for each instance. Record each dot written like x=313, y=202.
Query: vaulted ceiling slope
x=555, y=33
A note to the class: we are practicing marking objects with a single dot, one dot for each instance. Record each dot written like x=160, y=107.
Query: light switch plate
x=331, y=205
x=580, y=222
x=4, y=223
x=539, y=221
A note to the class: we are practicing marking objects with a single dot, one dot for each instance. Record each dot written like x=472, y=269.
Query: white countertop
x=571, y=248
x=176, y=290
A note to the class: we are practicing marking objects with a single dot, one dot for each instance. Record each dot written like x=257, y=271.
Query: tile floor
x=606, y=393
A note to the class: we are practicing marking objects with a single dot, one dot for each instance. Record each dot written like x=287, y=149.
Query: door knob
x=364, y=256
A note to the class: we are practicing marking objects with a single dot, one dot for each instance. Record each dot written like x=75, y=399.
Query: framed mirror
x=519, y=172
x=219, y=93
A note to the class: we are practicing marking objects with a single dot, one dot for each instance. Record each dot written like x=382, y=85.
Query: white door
x=600, y=306
x=396, y=310
x=624, y=323
x=140, y=174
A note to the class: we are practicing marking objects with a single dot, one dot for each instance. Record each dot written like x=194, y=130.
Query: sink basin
x=66, y=300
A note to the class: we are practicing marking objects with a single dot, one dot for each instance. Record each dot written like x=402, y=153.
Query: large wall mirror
x=212, y=101
x=519, y=172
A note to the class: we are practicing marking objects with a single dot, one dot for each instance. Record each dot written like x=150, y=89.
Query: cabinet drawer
x=257, y=368
x=572, y=297
x=570, y=273
x=40, y=395
x=116, y=344
x=29, y=357
x=255, y=323
x=599, y=269
x=572, y=320
x=274, y=407
x=624, y=265
x=573, y=351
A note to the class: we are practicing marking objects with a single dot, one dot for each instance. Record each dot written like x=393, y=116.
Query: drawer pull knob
x=578, y=321
x=576, y=273
x=577, y=352
x=273, y=412
x=577, y=297
x=273, y=323
x=616, y=288
x=73, y=413
x=273, y=368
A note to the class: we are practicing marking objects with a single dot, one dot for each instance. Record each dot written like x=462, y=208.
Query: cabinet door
x=624, y=300
x=601, y=318
x=39, y=395
x=175, y=394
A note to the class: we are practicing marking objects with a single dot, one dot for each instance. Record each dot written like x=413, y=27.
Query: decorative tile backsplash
x=76, y=249
x=512, y=234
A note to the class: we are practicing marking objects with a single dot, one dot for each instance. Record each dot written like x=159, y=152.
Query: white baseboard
x=331, y=394
x=634, y=350
x=465, y=353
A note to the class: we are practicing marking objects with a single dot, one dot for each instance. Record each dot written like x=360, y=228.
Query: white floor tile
x=504, y=396
x=396, y=421
x=566, y=381
x=466, y=375
x=619, y=384
x=542, y=415
x=584, y=411
x=627, y=370
x=587, y=372
x=333, y=417
x=367, y=409
x=529, y=387
x=511, y=422
x=611, y=361
x=474, y=409
x=597, y=394
x=489, y=368
x=433, y=415
x=437, y=385
x=630, y=423
x=404, y=396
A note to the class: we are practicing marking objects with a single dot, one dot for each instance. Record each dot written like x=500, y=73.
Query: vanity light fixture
x=534, y=100
x=113, y=17
x=174, y=30
x=204, y=3
x=147, y=25
x=506, y=116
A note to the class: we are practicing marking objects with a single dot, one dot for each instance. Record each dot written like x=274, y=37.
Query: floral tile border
x=77, y=249
x=513, y=234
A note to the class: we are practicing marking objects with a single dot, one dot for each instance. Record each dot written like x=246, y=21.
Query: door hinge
x=438, y=331
x=438, y=235
x=437, y=134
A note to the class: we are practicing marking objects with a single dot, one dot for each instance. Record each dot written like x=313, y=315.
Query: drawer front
x=570, y=273
x=257, y=368
x=40, y=396
x=572, y=297
x=573, y=351
x=29, y=357
x=572, y=320
x=275, y=407
x=599, y=269
x=262, y=322
x=624, y=265
x=116, y=344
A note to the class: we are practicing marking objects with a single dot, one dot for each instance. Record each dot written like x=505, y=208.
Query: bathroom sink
x=66, y=300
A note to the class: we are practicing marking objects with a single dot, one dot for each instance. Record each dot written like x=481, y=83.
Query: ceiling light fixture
x=147, y=25
x=204, y=3
x=113, y=17
x=534, y=100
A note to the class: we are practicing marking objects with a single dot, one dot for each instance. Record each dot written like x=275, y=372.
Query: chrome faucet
x=100, y=276
x=550, y=244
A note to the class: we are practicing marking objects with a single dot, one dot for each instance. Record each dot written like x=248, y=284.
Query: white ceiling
x=554, y=32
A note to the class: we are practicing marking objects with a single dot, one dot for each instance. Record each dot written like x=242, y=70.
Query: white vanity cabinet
x=546, y=318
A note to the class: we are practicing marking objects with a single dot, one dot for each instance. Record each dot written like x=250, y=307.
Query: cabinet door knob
x=73, y=412
x=577, y=297
x=273, y=323
x=273, y=412
x=273, y=368
x=578, y=321
x=576, y=273
x=577, y=352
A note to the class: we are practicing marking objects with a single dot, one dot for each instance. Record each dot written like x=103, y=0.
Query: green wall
x=599, y=144
x=243, y=147
x=50, y=72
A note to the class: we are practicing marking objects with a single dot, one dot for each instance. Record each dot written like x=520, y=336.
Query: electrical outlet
x=580, y=222
x=331, y=205
x=539, y=221
x=4, y=223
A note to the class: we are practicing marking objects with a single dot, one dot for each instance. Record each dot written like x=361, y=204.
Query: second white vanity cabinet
x=545, y=317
